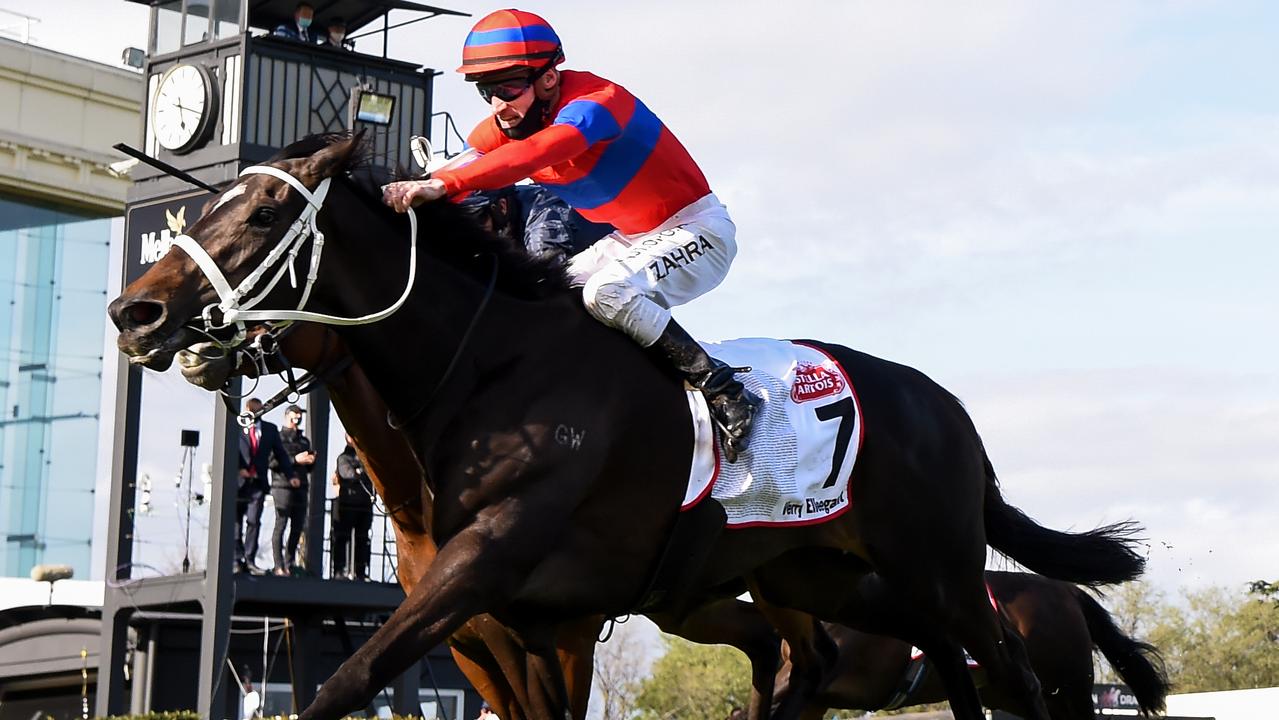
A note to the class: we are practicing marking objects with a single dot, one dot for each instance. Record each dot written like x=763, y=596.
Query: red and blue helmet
x=508, y=39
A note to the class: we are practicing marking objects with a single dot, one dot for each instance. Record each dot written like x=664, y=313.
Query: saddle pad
x=803, y=445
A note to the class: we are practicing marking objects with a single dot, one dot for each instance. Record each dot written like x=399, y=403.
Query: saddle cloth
x=803, y=445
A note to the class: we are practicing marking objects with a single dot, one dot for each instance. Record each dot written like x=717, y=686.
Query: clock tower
x=223, y=92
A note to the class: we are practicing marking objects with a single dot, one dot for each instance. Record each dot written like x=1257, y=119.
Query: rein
x=294, y=387
x=399, y=424
x=234, y=311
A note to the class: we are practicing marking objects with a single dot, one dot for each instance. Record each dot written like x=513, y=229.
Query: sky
x=1066, y=213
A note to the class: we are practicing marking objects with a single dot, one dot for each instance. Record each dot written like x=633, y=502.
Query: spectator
x=352, y=516
x=544, y=222
x=258, y=444
x=289, y=492
x=300, y=28
x=336, y=35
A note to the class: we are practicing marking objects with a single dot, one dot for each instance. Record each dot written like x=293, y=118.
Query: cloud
x=1064, y=213
x=1195, y=466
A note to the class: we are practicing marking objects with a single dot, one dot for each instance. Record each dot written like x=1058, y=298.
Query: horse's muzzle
x=146, y=334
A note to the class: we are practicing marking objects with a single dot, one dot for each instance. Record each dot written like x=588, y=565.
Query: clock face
x=182, y=108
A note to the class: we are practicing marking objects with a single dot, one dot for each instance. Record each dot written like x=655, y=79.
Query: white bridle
x=235, y=310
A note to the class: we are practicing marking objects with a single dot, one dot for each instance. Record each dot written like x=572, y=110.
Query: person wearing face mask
x=336, y=35
x=300, y=28
x=594, y=144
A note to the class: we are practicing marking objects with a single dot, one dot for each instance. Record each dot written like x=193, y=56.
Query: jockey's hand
x=411, y=193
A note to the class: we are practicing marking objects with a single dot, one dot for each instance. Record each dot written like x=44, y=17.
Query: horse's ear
x=335, y=157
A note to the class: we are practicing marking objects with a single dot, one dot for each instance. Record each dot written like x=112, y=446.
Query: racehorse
x=490, y=655
x=1060, y=624
x=489, y=352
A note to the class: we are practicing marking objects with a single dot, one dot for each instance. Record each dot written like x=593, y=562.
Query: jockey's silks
x=605, y=153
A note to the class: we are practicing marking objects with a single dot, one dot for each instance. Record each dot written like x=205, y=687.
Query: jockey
x=598, y=147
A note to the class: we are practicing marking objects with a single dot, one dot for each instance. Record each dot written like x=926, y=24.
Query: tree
x=1212, y=639
x=620, y=664
x=1220, y=642
x=695, y=682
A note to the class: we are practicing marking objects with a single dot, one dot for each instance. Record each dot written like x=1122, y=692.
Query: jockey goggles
x=506, y=91
x=511, y=89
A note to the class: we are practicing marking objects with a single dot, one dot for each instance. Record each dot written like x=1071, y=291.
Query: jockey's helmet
x=508, y=40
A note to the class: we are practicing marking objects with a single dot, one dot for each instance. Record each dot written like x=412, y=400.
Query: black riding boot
x=732, y=406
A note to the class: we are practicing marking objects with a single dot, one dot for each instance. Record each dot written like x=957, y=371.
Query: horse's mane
x=444, y=230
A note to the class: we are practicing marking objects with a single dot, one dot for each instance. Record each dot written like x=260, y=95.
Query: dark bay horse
x=485, y=353
x=490, y=655
x=1061, y=625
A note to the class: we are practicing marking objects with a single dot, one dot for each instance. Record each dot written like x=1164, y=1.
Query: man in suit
x=300, y=28
x=258, y=444
x=290, y=491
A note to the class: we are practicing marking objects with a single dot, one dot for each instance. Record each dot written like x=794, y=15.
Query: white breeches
x=631, y=282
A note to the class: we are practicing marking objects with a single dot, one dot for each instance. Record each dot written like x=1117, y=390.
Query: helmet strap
x=538, y=115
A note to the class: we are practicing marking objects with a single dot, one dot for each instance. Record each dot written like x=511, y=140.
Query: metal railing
x=381, y=564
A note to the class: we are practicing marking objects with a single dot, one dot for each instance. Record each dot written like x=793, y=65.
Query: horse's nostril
x=141, y=314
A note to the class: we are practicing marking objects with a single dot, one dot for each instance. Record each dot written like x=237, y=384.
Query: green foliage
x=695, y=682
x=1213, y=639
x=171, y=715
x=1264, y=590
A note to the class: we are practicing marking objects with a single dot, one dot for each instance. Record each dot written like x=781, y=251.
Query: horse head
x=234, y=258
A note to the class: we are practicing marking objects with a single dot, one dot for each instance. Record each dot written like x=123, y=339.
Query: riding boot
x=732, y=406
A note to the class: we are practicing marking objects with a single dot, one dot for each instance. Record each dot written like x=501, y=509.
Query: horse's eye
x=263, y=217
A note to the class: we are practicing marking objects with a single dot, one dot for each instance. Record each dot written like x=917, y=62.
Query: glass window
x=227, y=13
x=52, y=290
x=168, y=27
x=447, y=704
x=197, y=28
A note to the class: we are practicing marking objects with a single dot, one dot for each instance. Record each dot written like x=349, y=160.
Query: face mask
x=304, y=23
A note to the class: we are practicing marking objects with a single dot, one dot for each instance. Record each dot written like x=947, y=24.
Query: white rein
x=236, y=311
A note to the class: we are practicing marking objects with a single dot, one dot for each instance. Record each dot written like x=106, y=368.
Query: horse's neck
x=406, y=355
x=389, y=457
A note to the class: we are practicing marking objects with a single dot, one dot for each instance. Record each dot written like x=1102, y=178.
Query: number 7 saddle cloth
x=798, y=469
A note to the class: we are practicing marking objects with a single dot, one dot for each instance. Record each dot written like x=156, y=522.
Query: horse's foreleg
x=740, y=625
x=811, y=653
x=471, y=575
x=547, y=690
x=493, y=662
x=576, y=642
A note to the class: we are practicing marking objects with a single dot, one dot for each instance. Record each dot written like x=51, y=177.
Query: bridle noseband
x=233, y=310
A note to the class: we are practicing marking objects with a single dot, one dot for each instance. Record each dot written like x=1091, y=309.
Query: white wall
x=1259, y=704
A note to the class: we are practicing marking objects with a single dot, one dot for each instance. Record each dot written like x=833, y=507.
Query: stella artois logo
x=815, y=381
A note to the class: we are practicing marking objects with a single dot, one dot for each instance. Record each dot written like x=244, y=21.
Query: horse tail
x=1102, y=556
x=1139, y=664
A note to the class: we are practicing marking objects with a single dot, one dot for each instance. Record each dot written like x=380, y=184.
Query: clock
x=183, y=110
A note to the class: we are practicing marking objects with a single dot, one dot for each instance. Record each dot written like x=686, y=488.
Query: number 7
x=846, y=410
